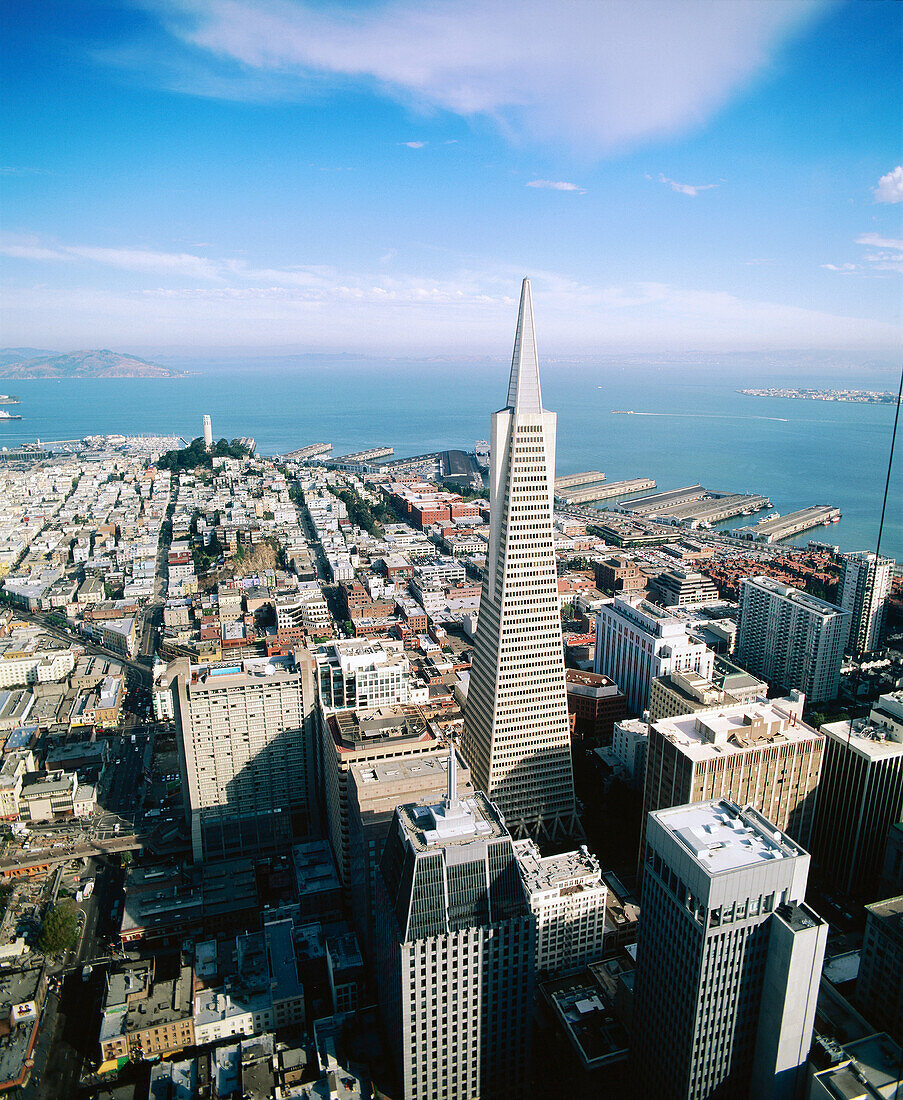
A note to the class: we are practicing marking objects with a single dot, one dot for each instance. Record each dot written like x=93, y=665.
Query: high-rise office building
x=729, y=958
x=455, y=952
x=208, y=431
x=760, y=754
x=790, y=638
x=516, y=730
x=350, y=737
x=374, y=789
x=864, y=589
x=860, y=796
x=567, y=897
x=247, y=751
x=635, y=643
x=879, y=986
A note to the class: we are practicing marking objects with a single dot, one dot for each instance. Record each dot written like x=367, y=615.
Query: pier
x=605, y=492
x=783, y=527
x=659, y=502
x=571, y=481
x=697, y=507
x=369, y=455
x=312, y=450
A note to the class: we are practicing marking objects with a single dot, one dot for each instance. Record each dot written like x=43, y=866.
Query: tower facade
x=455, y=951
x=208, y=431
x=729, y=957
x=864, y=588
x=516, y=735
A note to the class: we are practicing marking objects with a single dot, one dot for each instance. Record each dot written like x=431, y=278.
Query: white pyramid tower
x=516, y=734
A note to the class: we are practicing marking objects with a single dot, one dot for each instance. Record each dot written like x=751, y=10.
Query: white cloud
x=844, y=269
x=877, y=241
x=556, y=185
x=692, y=189
x=414, y=144
x=890, y=259
x=464, y=311
x=125, y=259
x=890, y=187
x=596, y=76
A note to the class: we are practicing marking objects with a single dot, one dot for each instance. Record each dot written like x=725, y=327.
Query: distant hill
x=16, y=355
x=96, y=363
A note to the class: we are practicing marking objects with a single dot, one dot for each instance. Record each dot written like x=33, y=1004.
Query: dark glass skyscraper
x=455, y=951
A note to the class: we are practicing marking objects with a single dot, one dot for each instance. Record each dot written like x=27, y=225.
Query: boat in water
x=4, y=415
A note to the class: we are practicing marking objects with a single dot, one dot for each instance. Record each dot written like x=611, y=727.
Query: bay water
x=686, y=426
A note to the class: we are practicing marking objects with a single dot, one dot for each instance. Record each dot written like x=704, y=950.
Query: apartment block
x=637, y=643
x=791, y=639
x=247, y=748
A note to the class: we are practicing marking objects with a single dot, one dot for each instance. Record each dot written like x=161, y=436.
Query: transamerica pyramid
x=516, y=735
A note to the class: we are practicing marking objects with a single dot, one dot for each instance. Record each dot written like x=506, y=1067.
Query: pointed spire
x=523, y=387
x=451, y=797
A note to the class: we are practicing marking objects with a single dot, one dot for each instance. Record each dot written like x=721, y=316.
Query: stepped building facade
x=516, y=733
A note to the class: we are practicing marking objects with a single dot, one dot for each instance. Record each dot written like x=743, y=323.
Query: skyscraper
x=864, y=587
x=791, y=639
x=516, y=735
x=729, y=957
x=247, y=749
x=860, y=796
x=455, y=951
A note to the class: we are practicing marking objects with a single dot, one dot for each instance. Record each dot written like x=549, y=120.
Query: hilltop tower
x=516, y=734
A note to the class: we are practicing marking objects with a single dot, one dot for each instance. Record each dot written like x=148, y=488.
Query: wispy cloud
x=388, y=310
x=890, y=187
x=844, y=269
x=691, y=189
x=13, y=171
x=595, y=76
x=413, y=144
x=556, y=185
x=877, y=241
x=890, y=256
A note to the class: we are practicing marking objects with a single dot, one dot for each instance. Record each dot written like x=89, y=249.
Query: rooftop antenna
x=451, y=794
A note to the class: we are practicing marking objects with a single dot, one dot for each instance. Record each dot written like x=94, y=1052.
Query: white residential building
x=791, y=639
x=864, y=590
x=635, y=643
x=246, y=740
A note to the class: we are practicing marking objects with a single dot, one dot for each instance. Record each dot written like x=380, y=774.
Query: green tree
x=59, y=931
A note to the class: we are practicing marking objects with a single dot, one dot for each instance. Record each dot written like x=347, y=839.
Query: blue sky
x=711, y=174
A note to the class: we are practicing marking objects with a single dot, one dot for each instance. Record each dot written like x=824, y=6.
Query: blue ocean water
x=687, y=426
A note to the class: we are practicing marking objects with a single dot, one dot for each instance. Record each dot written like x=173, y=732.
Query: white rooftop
x=740, y=727
x=721, y=839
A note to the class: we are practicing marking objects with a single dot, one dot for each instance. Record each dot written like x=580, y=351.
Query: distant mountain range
x=95, y=363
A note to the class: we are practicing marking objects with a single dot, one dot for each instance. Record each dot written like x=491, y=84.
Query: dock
x=571, y=481
x=784, y=527
x=605, y=492
x=695, y=506
x=369, y=455
x=312, y=450
x=659, y=502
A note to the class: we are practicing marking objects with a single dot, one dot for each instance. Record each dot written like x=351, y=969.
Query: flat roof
x=720, y=837
x=737, y=728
